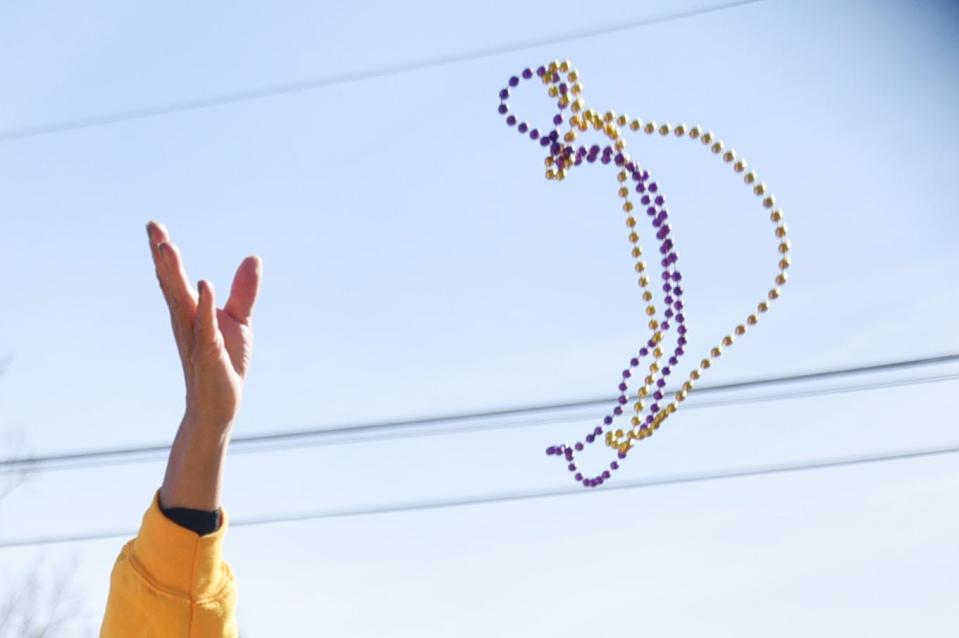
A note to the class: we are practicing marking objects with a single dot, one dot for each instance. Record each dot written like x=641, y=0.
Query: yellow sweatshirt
x=170, y=582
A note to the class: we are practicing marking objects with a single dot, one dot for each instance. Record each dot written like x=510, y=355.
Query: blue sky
x=416, y=262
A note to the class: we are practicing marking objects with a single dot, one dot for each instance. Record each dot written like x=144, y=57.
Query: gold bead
x=628, y=206
x=623, y=191
x=781, y=279
x=729, y=156
x=785, y=263
x=635, y=125
x=715, y=352
x=740, y=166
x=638, y=407
x=782, y=230
x=553, y=66
x=641, y=267
x=550, y=174
x=727, y=340
x=612, y=132
x=621, y=176
x=644, y=392
x=750, y=177
x=681, y=395
x=773, y=294
x=752, y=320
x=704, y=364
x=573, y=75
x=654, y=367
x=664, y=129
x=633, y=238
x=563, y=101
x=707, y=137
x=620, y=145
x=576, y=106
x=717, y=147
x=576, y=89
x=630, y=221
x=785, y=246
x=553, y=91
x=650, y=310
x=671, y=408
x=653, y=324
x=644, y=281
x=610, y=116
x=694, y=375
x=740, y=330
x=760, y=189
x=647, y=296
x=619, y=434
x=650, y=127
x=637, y=252
x=658, y=352
x=564, y=66
x=762, y=307
x=680, y=130
x=570, y=136
x=694, y=132
x=649, y=381
x=635, y=420
x=549, y=160
x=688, y=386
x=769, y=202
x=622, y=120
x=776, y=216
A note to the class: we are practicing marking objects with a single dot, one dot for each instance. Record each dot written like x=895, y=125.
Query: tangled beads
x=649, y=410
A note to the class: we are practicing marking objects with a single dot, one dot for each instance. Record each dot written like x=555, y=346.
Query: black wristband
x=200, y=521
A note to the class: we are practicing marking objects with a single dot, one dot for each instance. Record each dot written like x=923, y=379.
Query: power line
x=508, y=497
x=356, y=76
x=449, y=423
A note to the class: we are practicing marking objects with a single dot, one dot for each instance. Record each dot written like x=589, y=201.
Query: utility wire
x=353, y=76
x=447, y=424
x=508, y=497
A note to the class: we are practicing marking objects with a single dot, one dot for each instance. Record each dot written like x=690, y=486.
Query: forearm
x=194, y=472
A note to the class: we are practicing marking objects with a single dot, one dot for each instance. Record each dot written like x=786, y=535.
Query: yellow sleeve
x=170, y=582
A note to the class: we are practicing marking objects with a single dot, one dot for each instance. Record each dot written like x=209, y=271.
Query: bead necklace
x=563, y=155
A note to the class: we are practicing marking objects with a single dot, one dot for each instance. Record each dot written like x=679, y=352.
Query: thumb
x=205, y=327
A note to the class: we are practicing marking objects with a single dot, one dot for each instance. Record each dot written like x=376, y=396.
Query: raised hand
x=215, y=346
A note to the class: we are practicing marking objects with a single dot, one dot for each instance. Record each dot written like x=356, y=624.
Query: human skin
x=215, y=345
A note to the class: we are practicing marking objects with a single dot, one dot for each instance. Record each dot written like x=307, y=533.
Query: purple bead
x=571, y=467
x=617, y=410
x=554, y=148
x=669, y=312
x=568, y=453
x=658, y=395
x=678, y=291
x=677, y=276
x=661, y=383
x=510, y=120
x=664, y=325
x=681, y=330
x=680, y=352
x=598, y=431
x=651, y=211
x=681, y=341
x=653, y=187
x=578, y=476
x=660, y=200
x=502, y=108
x=623, y=387
x=666, y=371
x=649, y=419
x=534, y=134
x=644, y=199
x=590, y=438
x=541, y=71
x=673, y=360
x=621, y=455
x=553, y=136
x=663, y=231
x=550, y=451
x=643, y=352
x=503, y=94
x=544, y=141
x=680, y=317
x=523, y=127
x=557, y=119
x=563, y=88
x=627, y=374
x=634, y=361
x=654, y=408
x=513, y=81
x=622, y=399
x=668, y=299
x=608, y=420
x=606, y=474
x=527, y=74
x=605, y=159
x=651, y=343
x=614, y=465
x=579, y=446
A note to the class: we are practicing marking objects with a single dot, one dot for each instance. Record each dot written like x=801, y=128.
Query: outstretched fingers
x=243, y=292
